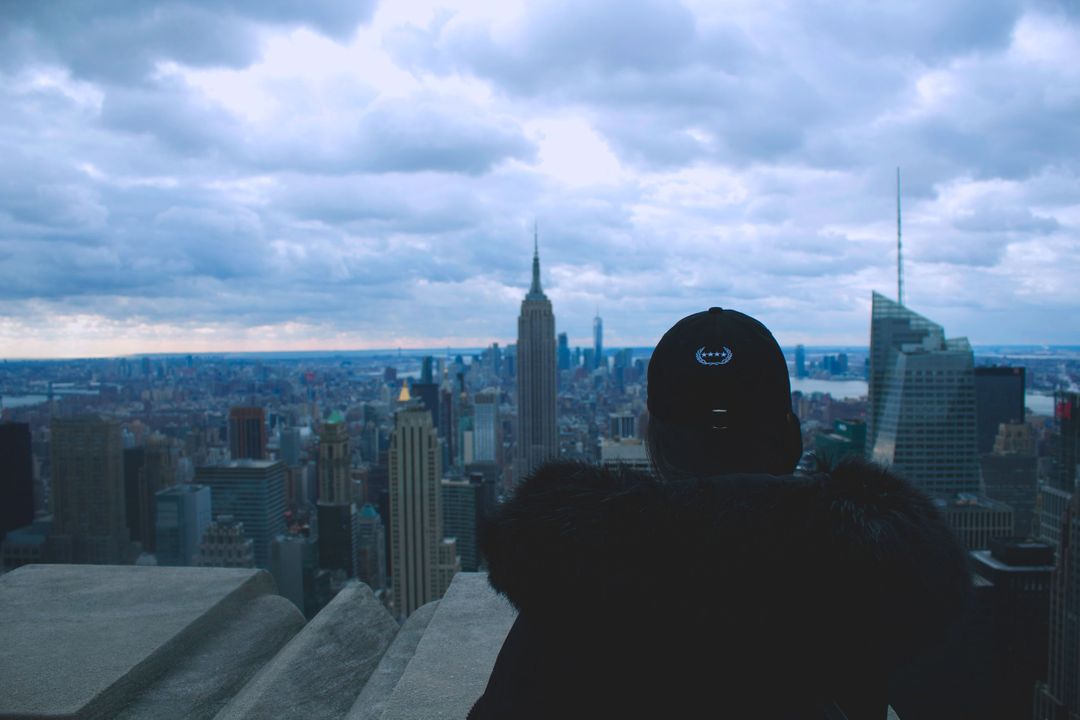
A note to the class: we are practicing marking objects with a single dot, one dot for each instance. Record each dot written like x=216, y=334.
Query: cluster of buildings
x=326, y=468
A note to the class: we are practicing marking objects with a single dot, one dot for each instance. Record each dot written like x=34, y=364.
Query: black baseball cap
x=720, y=370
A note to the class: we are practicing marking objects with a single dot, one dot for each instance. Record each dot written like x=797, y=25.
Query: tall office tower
x=429, y=396
x=289, y=446
x=999, y=398
x=333, y=466
x=562, y=355
x=922, y=401
x=465, y=503
x=89, y=523
x=416, y=506
x=247, y=433
x=371, y=548
x=147, y=469
x=252, y=492
x=225, y=544
x=597, y=339
x=293, y=560
x=182, y=515
x=800, y=361
x=537, y=436
x=338, y=529
x=1056, y=496
x=1010, y=474
x=1020, y=573
x=1059, y=697
x=16, y=477
x=486, y=426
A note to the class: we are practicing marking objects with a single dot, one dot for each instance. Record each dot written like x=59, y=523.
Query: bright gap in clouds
x=572, y=153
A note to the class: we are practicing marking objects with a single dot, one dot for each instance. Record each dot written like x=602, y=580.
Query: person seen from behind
x=722, y=585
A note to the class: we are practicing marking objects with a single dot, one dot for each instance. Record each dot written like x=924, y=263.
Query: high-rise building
x=89, y=521
x=464, y=505
x=598, y=340
x=333, y=466
x=1020, y=574
x=1056, y=495
x=247, y=433
x=147, y=470
x=371, y=548
x=416, y=505
x=800, y=361
x=337, y=527
x=999, y=398
x=1059, y=697
x=182, y=515
x=289, y=446
x=225, y=544
x=563, y=353
x=922, y=401
x=253, y=493
x=1010, y=474
x=16, y=477
x=486, y=427
x=293, y=561
x=537, y=436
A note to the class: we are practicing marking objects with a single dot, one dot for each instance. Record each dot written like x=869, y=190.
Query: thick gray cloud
x=239, y=174
x=114, y=40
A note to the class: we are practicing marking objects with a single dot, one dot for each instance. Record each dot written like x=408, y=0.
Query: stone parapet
x=85, y=641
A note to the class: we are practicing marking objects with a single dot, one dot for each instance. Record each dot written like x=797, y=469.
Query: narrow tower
x=537, y=437
x=899, y=247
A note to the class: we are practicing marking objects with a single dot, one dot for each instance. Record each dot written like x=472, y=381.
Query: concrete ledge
x=453, y=659
x=199, y=683
x=323, y=668
x=83, y=640
x=371, y=702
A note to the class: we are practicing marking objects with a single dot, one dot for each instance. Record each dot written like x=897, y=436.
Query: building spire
x=535, y=289
x=899, y=247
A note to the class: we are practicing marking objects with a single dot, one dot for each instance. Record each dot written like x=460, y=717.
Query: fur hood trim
x=853, y=558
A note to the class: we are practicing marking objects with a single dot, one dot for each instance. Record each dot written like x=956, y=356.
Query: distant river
x=16, y=401
x=849, y=389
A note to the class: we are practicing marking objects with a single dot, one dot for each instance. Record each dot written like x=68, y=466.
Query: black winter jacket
x=738, y=596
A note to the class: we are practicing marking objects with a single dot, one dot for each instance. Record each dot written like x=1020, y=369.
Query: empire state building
x=537, y=434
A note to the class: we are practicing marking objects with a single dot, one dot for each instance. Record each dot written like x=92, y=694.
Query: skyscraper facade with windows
x=89, y=520
x=537, y=435
x=419, y=554
x=485, y=426
x=922, y=401
x=16, y=477
x=247, y=433
x=253, y=493
x=598, y=340
x=335, y=485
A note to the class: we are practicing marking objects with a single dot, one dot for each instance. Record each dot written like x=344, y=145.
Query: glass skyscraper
x=922, y=401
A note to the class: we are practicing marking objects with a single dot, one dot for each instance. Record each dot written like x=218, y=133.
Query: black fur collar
x=787, y=574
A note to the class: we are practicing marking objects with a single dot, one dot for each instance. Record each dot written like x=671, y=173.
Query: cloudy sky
x=267, y=174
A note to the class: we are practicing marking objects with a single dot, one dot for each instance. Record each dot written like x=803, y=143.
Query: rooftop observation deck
x=141, y=643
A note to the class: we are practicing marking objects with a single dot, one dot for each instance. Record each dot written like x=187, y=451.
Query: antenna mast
x=899, y=247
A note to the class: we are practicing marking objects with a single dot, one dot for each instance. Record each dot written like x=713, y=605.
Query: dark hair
x=678, y=451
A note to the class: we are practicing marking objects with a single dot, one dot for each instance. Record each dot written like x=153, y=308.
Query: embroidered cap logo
x=722, y=357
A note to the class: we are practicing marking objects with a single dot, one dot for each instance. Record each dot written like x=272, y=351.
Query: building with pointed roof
x=537, y=432
x=922, y=401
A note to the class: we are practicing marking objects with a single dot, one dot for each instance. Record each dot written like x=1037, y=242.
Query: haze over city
x=196, y=177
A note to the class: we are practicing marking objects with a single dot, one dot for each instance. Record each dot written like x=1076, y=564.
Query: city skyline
x=365, y=175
